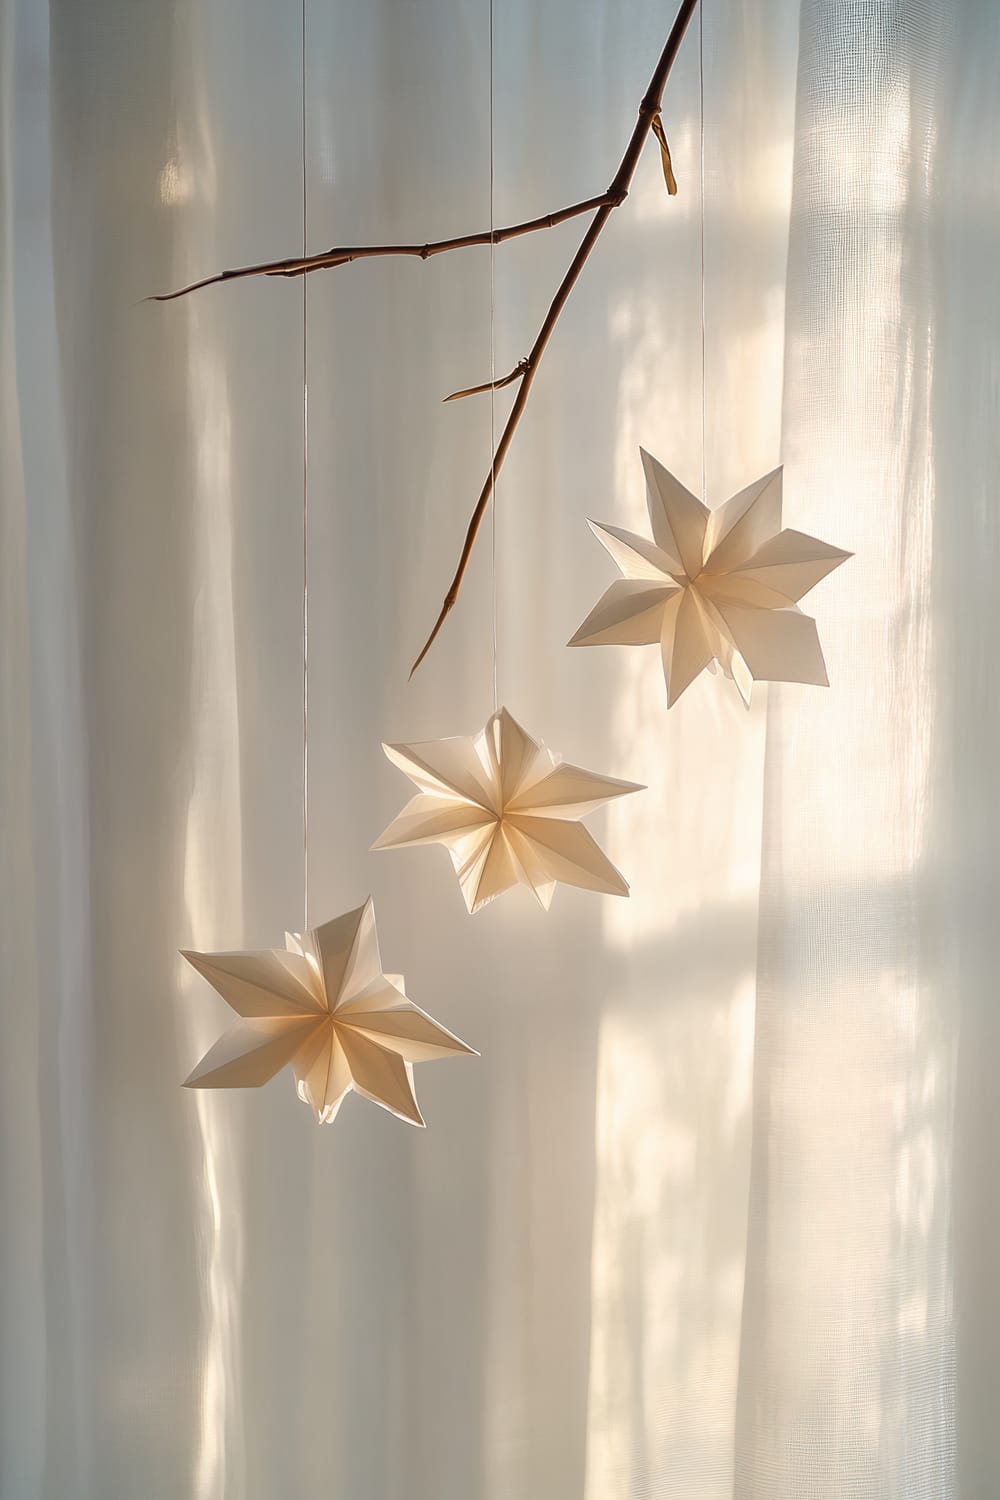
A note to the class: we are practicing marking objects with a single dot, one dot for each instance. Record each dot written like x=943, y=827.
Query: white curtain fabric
x=717, y=1212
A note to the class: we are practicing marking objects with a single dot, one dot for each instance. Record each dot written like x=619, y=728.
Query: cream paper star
x=324, y=1006
x=714, y=585
x=506, y=809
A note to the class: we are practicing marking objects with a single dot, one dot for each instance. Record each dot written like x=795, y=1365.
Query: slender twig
x=649, y=109
x=342, y=255
x=492, y=385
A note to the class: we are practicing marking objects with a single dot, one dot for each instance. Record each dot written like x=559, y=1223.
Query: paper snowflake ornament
x=718, y=585
x=324, y=1006
x=507, y=811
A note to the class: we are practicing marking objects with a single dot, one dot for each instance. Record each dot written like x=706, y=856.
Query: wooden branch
x=602, y=206
x=342, y=255
x=649, y=110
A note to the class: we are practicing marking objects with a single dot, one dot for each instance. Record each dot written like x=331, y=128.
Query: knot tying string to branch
x=656, y=126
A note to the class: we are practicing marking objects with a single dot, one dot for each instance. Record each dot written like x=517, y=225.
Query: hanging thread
x=305, y=504
x=701, y=210
x=493, y=394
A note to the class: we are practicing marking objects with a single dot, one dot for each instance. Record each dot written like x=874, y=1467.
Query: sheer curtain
x=716, y=1214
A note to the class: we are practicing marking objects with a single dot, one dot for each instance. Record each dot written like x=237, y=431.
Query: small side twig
x=492, y=385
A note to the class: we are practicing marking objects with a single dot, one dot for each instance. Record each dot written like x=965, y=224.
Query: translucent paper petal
x=740, y=674
x=739, y=589
x=494, y=872
x=685, y=646
x=678, y=518
x=263, y=983
x=532, y=865
x=382, y=1076
x=250, y=1053
x=715, y=630
x=564, y=851
x=729, y=659
x=739, y=527
x=448, y=767
x=777, y=645
x=788, y=565
x=468, y=855
x=629, y=613
x=570, y=792
x=544, y=893
x=428, y=819
x=388, y=1017
x=347, y=949
x=515, y=753
x=635, y=556
x=323, y=1076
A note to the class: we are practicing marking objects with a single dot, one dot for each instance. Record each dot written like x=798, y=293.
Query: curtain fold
x=714, y=1216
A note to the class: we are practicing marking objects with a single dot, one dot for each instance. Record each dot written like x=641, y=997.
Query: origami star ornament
x=324, y=1006
x=718, y=585
x=506, y=809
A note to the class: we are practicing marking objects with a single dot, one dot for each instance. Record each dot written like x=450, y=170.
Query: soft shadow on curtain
x=871, y=1216
x=714, y=1216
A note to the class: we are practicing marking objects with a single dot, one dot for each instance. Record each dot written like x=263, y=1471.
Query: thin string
x=701, y=209
x=305, y=507
x=493, y=376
